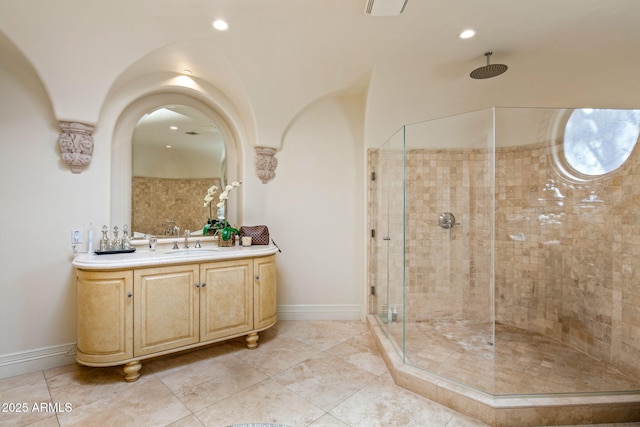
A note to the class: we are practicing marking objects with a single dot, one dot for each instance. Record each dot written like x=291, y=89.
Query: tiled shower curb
x=507, y=411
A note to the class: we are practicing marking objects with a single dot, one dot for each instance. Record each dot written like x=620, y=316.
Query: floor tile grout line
x=46, y=381
x=178, y=398
x=376, y=378
x=270, y=378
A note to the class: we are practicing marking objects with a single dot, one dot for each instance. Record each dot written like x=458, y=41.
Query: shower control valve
x=447, y=220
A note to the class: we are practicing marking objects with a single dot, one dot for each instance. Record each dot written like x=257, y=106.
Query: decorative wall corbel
x=265, y=163
x=76, y=144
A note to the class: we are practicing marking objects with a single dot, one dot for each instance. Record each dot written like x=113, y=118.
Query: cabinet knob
x=257, y=277
x=204, y=285
x=197, y=285
x=129, y=294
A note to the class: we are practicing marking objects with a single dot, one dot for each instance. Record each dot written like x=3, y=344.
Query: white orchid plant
x=221, y=224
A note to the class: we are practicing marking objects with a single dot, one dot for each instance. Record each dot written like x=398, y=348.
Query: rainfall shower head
x=489, y=70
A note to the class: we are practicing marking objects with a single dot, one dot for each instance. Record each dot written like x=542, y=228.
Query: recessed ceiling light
x=173, y=127
x=220, y=25
x=168, y=146
x=467, y=34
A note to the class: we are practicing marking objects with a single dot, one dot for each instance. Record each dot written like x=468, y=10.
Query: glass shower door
x=449, y=253
x=388, y=239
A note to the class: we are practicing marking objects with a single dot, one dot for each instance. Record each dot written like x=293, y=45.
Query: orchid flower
x=222, y=225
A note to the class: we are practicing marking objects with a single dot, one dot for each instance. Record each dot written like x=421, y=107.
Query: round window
x=597, y=142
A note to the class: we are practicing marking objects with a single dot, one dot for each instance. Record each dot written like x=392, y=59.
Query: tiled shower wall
x=567, y=254
x=449, y=270
x=159, y=200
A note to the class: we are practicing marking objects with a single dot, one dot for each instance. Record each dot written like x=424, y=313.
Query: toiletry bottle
x=126, y=241
x=90, y=244
x=104, y=242
x=115, y=243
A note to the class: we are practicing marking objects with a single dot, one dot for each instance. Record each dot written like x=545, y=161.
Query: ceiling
x=279, y=56
x=181, y=133
x=178, y=127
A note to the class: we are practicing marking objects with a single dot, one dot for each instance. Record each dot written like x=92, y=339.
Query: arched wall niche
x=121, y=151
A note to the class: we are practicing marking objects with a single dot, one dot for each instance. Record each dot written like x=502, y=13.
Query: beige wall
x=314, y=210
x=41, y=202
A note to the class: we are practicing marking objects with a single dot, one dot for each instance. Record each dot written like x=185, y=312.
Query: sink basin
x=192, y=251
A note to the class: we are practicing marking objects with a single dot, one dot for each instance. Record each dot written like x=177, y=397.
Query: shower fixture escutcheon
x=447, y=220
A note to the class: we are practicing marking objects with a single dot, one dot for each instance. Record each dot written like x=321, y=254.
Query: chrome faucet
x=187, y=234
x=169, y=227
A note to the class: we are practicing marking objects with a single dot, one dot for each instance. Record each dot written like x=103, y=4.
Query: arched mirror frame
x=121, y=153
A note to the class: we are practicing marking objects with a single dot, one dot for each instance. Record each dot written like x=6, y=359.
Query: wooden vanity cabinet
x=105, y=316
x=126, y=316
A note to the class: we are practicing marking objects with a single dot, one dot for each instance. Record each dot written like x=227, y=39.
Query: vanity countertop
x=166, y=255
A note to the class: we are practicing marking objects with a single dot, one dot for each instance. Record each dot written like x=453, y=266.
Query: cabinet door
x=264, y=291
x=105, y=316
x=165, y=308
x=226, y=305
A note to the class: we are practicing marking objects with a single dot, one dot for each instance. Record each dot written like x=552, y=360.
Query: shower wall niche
x=542, y=261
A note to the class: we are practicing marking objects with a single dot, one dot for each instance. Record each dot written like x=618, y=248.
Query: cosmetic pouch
x=259, y=234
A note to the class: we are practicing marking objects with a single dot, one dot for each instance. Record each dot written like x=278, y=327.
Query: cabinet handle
x=257, y=277
x=197, y=285
x=204, y=285
x=129, y=294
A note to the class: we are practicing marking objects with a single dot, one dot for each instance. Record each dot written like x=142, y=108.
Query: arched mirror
x=204, y=152
x=177, y=153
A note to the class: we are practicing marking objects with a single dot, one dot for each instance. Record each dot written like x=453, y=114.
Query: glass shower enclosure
x=491, y=262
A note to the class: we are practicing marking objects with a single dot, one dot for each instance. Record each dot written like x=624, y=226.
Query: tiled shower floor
x=519, y=362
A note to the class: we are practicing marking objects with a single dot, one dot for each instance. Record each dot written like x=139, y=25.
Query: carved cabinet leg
x=252, y=340
x=132, y=371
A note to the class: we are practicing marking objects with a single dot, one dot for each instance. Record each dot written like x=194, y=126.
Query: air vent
x=385, y=7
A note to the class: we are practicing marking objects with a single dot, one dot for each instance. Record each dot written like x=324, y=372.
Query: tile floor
x=304, y=373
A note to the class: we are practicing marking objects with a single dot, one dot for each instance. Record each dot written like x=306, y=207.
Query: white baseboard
x=36, y=360
x=51, y=357
x=320, y=312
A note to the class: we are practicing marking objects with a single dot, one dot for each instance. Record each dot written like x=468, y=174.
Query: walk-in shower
x=505, y=261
